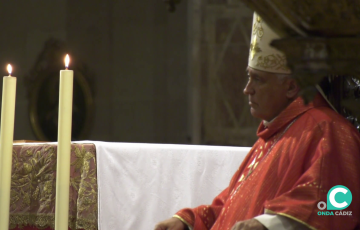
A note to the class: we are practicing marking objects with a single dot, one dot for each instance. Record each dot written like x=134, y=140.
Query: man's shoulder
x=322, y=122
x=326, y=117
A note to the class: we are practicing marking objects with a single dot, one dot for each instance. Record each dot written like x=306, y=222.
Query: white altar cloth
x=142, y=184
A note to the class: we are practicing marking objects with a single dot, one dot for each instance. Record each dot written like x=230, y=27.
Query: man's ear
x=293, y=89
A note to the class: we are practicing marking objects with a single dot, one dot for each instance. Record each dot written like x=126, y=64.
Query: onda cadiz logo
x=339, y=197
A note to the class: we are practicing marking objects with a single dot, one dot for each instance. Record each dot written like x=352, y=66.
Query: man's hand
x=171, y=224
x=251, y=224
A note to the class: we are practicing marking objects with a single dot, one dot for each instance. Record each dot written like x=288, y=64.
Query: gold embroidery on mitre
x=254, y=48
x=257, y=28
x=262, y=55
x=272, y=61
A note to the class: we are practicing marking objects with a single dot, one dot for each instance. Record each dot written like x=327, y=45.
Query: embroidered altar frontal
x=33, y=181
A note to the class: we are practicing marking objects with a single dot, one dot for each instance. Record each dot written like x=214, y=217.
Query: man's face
x=267, y=94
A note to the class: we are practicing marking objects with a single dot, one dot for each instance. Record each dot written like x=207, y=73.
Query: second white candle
x=64, y=149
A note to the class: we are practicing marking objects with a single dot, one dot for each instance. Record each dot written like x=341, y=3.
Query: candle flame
x=67, y=61
x=9, y=69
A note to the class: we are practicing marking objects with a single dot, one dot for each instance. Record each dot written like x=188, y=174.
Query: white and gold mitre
x=262, y=56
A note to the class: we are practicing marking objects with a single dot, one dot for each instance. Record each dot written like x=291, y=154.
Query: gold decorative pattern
x=272, y=61
x=257, y=28
x=258, y=32
x=262, y=55
x=32, y=199
x=254, y=48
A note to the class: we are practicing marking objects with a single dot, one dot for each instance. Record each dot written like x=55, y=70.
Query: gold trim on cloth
x=32, y=199
x=184, y=221
x=291, y=217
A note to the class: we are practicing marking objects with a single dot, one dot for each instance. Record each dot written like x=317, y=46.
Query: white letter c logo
x=332, y=198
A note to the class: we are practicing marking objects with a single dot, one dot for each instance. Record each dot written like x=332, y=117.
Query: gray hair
x=282, y=77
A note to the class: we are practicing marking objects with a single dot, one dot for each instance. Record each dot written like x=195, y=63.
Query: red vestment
x=298, y=158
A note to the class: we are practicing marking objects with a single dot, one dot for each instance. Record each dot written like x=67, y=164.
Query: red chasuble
x=298, y=158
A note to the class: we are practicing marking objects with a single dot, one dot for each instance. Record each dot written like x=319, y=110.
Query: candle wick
x=66, y=68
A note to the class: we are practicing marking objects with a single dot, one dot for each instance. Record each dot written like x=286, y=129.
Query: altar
x=118, y=185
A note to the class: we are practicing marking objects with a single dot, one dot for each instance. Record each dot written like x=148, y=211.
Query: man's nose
x=248, y=90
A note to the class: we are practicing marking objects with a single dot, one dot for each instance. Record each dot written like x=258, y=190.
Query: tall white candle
x=6, y=145
x=64, y=148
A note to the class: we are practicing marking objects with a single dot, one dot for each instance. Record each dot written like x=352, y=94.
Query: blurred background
x=144, y=74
